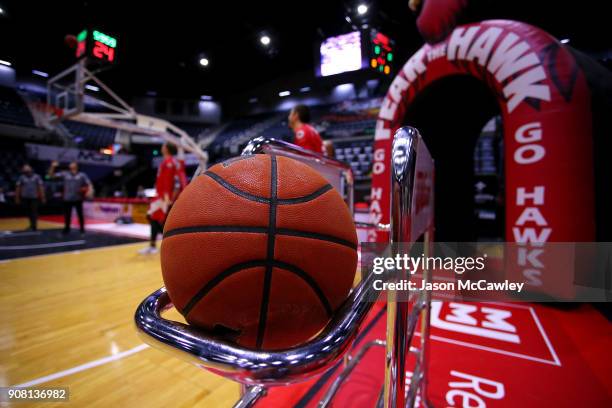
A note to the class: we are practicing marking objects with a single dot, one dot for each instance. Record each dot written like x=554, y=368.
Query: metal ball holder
x=258, y=370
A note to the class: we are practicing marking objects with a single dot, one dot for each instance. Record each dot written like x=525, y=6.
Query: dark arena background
x=127, y=139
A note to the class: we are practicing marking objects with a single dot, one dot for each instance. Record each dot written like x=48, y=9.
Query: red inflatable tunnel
x=545, y=107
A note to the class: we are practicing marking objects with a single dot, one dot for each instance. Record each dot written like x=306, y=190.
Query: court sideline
x=73, y=311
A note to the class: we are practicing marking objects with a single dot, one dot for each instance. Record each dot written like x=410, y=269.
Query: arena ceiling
x=160, y=42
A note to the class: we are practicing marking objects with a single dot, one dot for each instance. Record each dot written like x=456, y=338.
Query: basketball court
x=83, y=336
x=83, y=332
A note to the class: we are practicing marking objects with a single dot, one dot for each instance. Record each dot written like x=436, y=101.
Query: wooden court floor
x=66, y=320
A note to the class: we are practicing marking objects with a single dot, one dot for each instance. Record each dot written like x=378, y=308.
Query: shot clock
x=96, y=46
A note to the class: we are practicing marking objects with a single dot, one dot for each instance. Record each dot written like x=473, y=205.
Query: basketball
x=260, y=250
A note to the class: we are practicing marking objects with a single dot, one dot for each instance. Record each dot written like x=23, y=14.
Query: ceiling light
x=362, y=9
x=204, y=62
x=206, y=98
x=40, y=73
x=3, y=62
x=284, y=93
x=265, y=40
x=564, y=41
x=305, y=89
x=92, y=88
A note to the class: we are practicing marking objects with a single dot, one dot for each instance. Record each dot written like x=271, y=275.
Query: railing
x=411, y=219
x=258, y=370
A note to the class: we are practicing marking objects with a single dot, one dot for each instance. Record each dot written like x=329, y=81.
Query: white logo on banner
x=461, y=319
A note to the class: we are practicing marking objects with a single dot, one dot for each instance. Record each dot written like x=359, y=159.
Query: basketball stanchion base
x=257, y=370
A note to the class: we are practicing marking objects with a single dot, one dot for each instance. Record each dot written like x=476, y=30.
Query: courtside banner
x=105, y=211
x=69, y=154
x=545, y=104
x=480, y=271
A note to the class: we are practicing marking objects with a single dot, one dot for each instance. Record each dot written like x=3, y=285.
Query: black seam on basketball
x=218, y=279
x=235, y=189
x=265, y=299
x=306, y=198
x=215, y=228
x=265, y=200
x=309, y=280
x=317, y=236
x=260, y=230
x=210, y=285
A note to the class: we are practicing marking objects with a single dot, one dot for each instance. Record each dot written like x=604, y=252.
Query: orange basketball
x=259, y=249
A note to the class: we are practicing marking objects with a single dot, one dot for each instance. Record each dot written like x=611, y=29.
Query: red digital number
x=102, y=51
x=80, y=48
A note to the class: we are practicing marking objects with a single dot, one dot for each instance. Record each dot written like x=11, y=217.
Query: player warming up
x=306, y=136
x=170, y=182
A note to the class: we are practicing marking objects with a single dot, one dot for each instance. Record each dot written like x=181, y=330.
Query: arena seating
x=13, y=109
x=195, y=130
x=11, y=160
x=350, y=119
x=220, y=148
x=350, y=125
x=342, y=126
x=278, y=131
x=358, y=153
x=90, y=136
x=238, y=132
x=342, y=121
x=96, y=137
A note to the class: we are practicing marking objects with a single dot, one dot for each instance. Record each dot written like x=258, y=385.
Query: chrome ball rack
x=258, y=370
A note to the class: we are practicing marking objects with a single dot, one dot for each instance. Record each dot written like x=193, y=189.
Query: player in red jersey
x=171, y=180
x=306, y=136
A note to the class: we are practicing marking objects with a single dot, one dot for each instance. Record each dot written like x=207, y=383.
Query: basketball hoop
x=66, y=93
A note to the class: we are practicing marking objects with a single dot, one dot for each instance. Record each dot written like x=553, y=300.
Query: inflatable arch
x=544, y=101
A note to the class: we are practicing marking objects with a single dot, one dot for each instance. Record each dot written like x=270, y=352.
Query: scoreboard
x=357, y=50
x=96, y=46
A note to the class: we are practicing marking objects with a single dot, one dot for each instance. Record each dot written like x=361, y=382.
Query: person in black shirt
x=30, y=192
x=76, y=186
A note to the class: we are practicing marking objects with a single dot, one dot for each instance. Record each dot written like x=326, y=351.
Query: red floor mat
x=486, y=354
